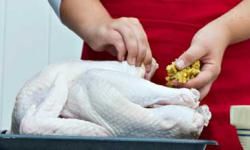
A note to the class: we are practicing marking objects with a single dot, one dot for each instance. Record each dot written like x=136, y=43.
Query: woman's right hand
x=123, y=37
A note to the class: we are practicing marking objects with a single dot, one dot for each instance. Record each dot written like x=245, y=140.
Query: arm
x=238, y=22
x=82, y=16
x=122, y=37
x=210, y=42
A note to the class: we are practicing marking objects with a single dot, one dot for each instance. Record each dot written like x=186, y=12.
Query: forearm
x=236, y=22
x=82, y=15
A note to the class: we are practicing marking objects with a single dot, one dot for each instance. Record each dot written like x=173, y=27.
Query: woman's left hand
x=208, y=46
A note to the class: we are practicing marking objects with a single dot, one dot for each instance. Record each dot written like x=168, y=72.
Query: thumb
x=192, y=54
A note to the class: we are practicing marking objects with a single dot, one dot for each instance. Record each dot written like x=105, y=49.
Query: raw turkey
x=106, y=98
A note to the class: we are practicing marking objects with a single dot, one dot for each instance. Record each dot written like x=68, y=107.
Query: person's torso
x=170, y=26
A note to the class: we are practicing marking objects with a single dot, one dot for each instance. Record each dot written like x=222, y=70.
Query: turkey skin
x=105, y=98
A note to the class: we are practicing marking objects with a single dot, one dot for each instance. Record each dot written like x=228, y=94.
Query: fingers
x=188, y=57
x=149, y=62
x=126, y=39
x=204, y=91
x=116, y=40
x=209, y=72
x=142, y=41
x=135, y=41
x=123, y=37
x=207, y=75
x=204, y=80
x=129, y=39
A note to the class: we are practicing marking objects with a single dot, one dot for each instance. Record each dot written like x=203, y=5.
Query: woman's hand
x=122, y=37
x=208, y=46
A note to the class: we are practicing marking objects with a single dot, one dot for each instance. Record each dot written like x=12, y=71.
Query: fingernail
x=180, y=63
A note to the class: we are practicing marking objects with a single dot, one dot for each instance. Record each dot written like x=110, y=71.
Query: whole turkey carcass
x=105, y=98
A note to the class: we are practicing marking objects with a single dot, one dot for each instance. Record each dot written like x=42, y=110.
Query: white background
x=31, y=37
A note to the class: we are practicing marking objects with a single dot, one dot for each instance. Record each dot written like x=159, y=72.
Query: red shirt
x=170, y=26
